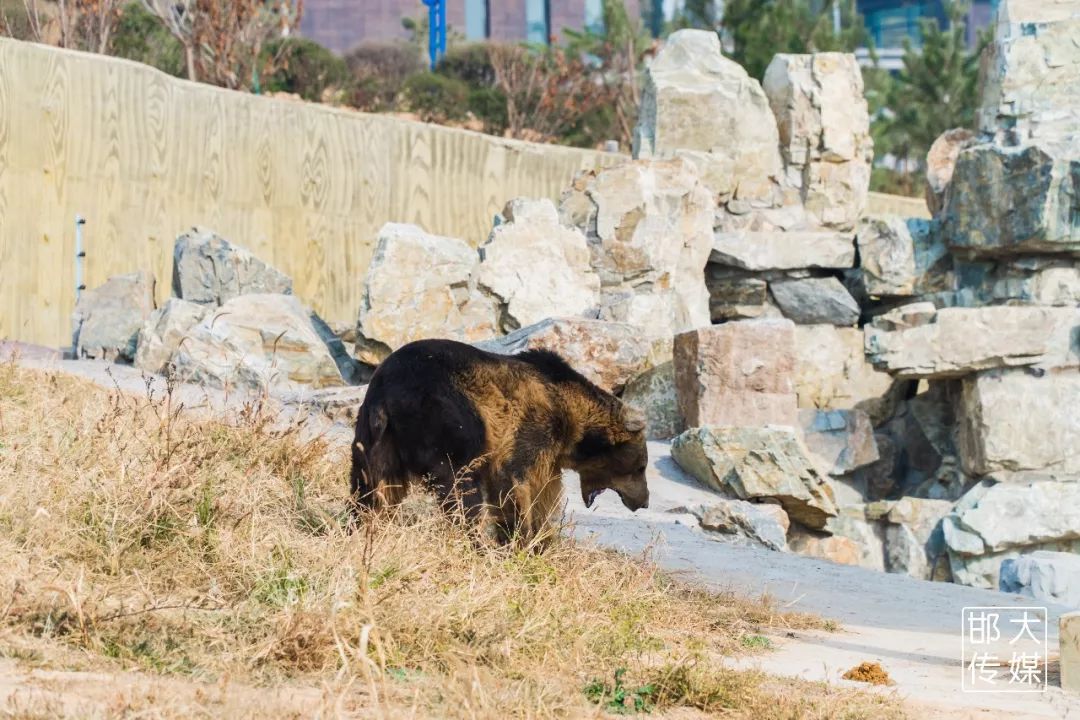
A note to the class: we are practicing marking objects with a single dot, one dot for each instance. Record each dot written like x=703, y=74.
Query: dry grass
x=134, y=539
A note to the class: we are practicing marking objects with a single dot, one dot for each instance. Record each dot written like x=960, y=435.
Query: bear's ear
x=633, y=420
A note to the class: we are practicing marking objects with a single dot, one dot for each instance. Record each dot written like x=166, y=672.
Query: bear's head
x=614, y=458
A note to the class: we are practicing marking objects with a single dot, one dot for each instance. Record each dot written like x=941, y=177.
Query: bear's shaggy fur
x=493, y=432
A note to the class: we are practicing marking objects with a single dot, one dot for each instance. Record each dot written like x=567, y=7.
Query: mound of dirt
x=869, y=672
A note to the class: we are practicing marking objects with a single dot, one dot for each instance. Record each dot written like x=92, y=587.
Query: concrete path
x=912, y=627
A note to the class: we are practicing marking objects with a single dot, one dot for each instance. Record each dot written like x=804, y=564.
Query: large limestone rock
x=824, y=128
x=754, y=463
x=738, y=373
x=815, y=300
x=1010, y=200
x=993, y=522
x=853, y=524
x=940, y=164
x=609, y=354
x=106, y=321
x=210, y=270
x=1014, y=420
x=1031, y=71
x=914, y=539
x=1025, y=280
x=649, y=228
x=839, y=549
x=164, y=330
x=259, y=342
x=900, y=257
x=831, y=371
x=959, y=341
x=703, y=106
x=336, y=404
x=418, y=286
x=735, y=294
x=763, y=523
x=653, y=392
x=537, y=268
x=788, y=250
x=1052, y=577
x=842, y=439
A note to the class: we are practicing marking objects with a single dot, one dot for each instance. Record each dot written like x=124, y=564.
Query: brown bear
x=493, y=433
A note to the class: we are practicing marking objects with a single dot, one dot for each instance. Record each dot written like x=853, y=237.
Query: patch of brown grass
x=133, y=538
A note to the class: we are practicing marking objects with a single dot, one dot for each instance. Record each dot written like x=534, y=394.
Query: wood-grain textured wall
x=142, y=156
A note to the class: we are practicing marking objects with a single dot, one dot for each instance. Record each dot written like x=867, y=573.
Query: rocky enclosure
x=896, y=393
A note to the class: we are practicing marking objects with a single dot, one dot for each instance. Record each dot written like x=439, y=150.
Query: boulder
x=418, y=286
x=900, y=257
x=258, y=342
x=1014, y=420
x=735, y=294
x=705, y=107
x=854, y=524
x=790, y=250
x=337, y=404
x=209, y=270
x=107, y=319
x=960, y=341
x=763, y=523
x=609, y=354
x=1025, y=280
x=1014, y=200
x=536, y=268
x=1031, y=72
x=824, y=127
x=653, y=392
x=649, y=228
x=914, y=539
x=754, y=463
x=832, y=372
x=940, y=163
x=164, y=330
x=1051, y=577
x=842, y=439
x=815, y=300
x=834, y=548
x=738, y=373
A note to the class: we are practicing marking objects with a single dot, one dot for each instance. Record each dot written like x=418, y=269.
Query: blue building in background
x=891, y=22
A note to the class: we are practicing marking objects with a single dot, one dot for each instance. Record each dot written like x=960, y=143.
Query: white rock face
x=698, y=104
x=649, y=228
x=536, y=267
x=831, y=371
x=1013, y=420
x=824, y=126
x=259, y=342
x=418, y=286
x=959, y=341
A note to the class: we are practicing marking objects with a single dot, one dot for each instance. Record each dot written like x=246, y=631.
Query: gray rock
x=900, y=257
x=991, y=518
x=758, y=464
x=209, y=270
x=164, y=330
x=960, y=341
x=810, y=301
x=843, y=439
x=337, y=404
x=783, y=250
x=1015, y=200
x=735, y=294
x=653, y=392
x=1052, y=577
x=107, y=319
x=704, y=107
x=915, y=540
x=1013, y=420
x=1025, y=280
x=609, y=354
x=259, y=342
x=831, y=371
x=759, y=522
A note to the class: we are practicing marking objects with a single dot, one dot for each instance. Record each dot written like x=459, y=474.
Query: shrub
x=488, y=105
x=470, y=63
x=307, y=69
x=436, y=98
x=380, y=70
x=141, y=37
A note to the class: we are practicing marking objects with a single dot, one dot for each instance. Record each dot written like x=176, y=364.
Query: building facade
x=343, y=24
